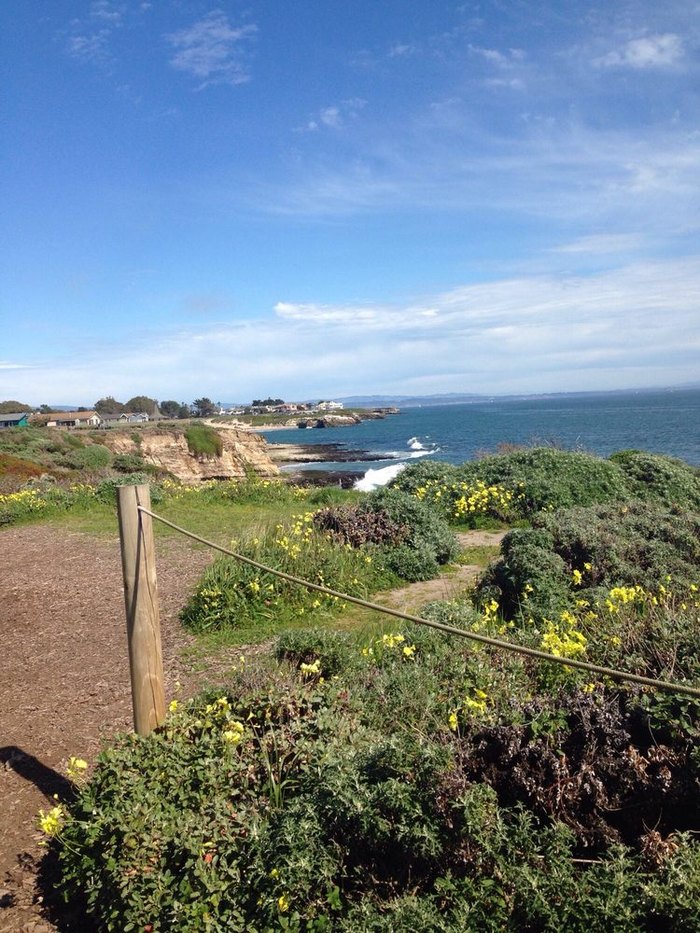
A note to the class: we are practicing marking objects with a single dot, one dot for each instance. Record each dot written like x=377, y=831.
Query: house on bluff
x=67, y=419
x=16, y=419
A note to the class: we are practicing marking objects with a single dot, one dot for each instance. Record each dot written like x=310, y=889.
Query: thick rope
x=449, y=629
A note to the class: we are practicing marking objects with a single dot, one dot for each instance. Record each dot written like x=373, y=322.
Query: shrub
x=310, y=806
x=581, y=553
x=426, y=528
x=537, y=478
x=664, y=479
x=106, y=491
x=128, y=463
x=232, y=594
x=412, y=538
x=358, y=525
x=89, y=457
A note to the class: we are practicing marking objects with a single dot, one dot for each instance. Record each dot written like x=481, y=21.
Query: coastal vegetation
x=386, y=777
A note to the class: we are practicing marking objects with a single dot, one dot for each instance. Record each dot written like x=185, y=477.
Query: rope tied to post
x=497, y=643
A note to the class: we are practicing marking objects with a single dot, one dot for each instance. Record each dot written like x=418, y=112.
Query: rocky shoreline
x=290, y=457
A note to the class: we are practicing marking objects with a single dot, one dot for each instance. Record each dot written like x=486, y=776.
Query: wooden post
x=141, y=601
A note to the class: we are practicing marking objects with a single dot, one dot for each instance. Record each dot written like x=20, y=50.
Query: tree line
x=200, y=407
x=170, y=408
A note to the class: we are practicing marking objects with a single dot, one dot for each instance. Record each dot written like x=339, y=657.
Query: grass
x=202, y=441
x=479, y=555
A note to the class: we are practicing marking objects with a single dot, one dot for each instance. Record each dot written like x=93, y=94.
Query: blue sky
x=310, y=199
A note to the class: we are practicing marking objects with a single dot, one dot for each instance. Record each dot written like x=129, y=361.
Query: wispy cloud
x=88, y=39
x=336, y=115
x=633, y=325
x=656, y=51
x=448, y=162
x=107, y=11
x=603, y=244
x=403, y=49
x=213, y=50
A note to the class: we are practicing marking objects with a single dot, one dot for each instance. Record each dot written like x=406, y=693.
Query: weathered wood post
x=141, y=601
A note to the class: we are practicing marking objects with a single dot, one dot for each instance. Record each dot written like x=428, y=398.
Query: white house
x=329, y=406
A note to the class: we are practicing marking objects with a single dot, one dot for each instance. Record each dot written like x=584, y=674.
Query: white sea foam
x=380, y=477
x=383, y=475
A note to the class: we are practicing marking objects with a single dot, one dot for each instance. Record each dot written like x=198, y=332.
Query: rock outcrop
x=243, y=452
x=349, y=417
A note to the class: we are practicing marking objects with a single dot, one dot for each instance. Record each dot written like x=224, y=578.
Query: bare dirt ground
x=65, y=676
x=64, y=681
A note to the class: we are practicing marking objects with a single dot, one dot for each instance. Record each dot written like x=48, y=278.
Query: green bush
x=89, y=457
x=310, y=805
x=581, y=553
x=538, y=478
x=128, y=463
x=307, y=646
x=664, y=479
x=235, y=595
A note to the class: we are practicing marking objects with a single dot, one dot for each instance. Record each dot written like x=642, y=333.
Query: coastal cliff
x=242, y=451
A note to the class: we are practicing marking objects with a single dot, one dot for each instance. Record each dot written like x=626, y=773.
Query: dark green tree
x=13, y=406
x=170, y=408
x=109, y=406
x=203, y=408
x=142, y=403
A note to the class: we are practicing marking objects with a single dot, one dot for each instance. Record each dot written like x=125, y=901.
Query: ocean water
x=665, y=422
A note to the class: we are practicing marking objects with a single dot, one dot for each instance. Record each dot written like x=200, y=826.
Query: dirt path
x=64, y=677
x=447, y=586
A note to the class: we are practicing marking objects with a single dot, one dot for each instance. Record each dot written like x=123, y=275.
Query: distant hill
x=461, y=398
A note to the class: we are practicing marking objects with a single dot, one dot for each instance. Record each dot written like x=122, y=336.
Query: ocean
x=662, y=421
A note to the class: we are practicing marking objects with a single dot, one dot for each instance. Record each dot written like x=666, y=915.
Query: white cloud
x=213, y=50
x=107, y=11
x=89, y=38
x=659, y=51
x=635, y=325
x=603, y=243
x=90, y=47
x=335, y=116
x=402, y=49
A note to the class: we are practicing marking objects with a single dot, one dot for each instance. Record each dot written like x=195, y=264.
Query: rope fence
x=500, y=644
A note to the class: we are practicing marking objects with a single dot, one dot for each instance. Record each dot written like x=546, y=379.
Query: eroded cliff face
x=242, y=452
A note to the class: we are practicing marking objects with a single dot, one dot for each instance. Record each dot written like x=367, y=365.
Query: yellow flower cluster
x=218, y=715
x=310, y=670
x=51, y=821
x=577, y=575
x=29, y=500
x=474, y=703
x=76, y=767
x=462, y=500
x=562, y=638
x=298, y=534
x=234, y=733
x=83, y=489
x=391, y=641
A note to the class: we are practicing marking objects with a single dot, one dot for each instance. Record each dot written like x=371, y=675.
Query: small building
x=68, y=419
x=134, y=417
x=16, y=419
x=329, y=406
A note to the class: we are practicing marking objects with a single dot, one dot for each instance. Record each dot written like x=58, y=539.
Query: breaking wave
x=374, y=478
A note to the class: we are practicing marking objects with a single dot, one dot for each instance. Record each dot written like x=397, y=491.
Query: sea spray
x=373, y=479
